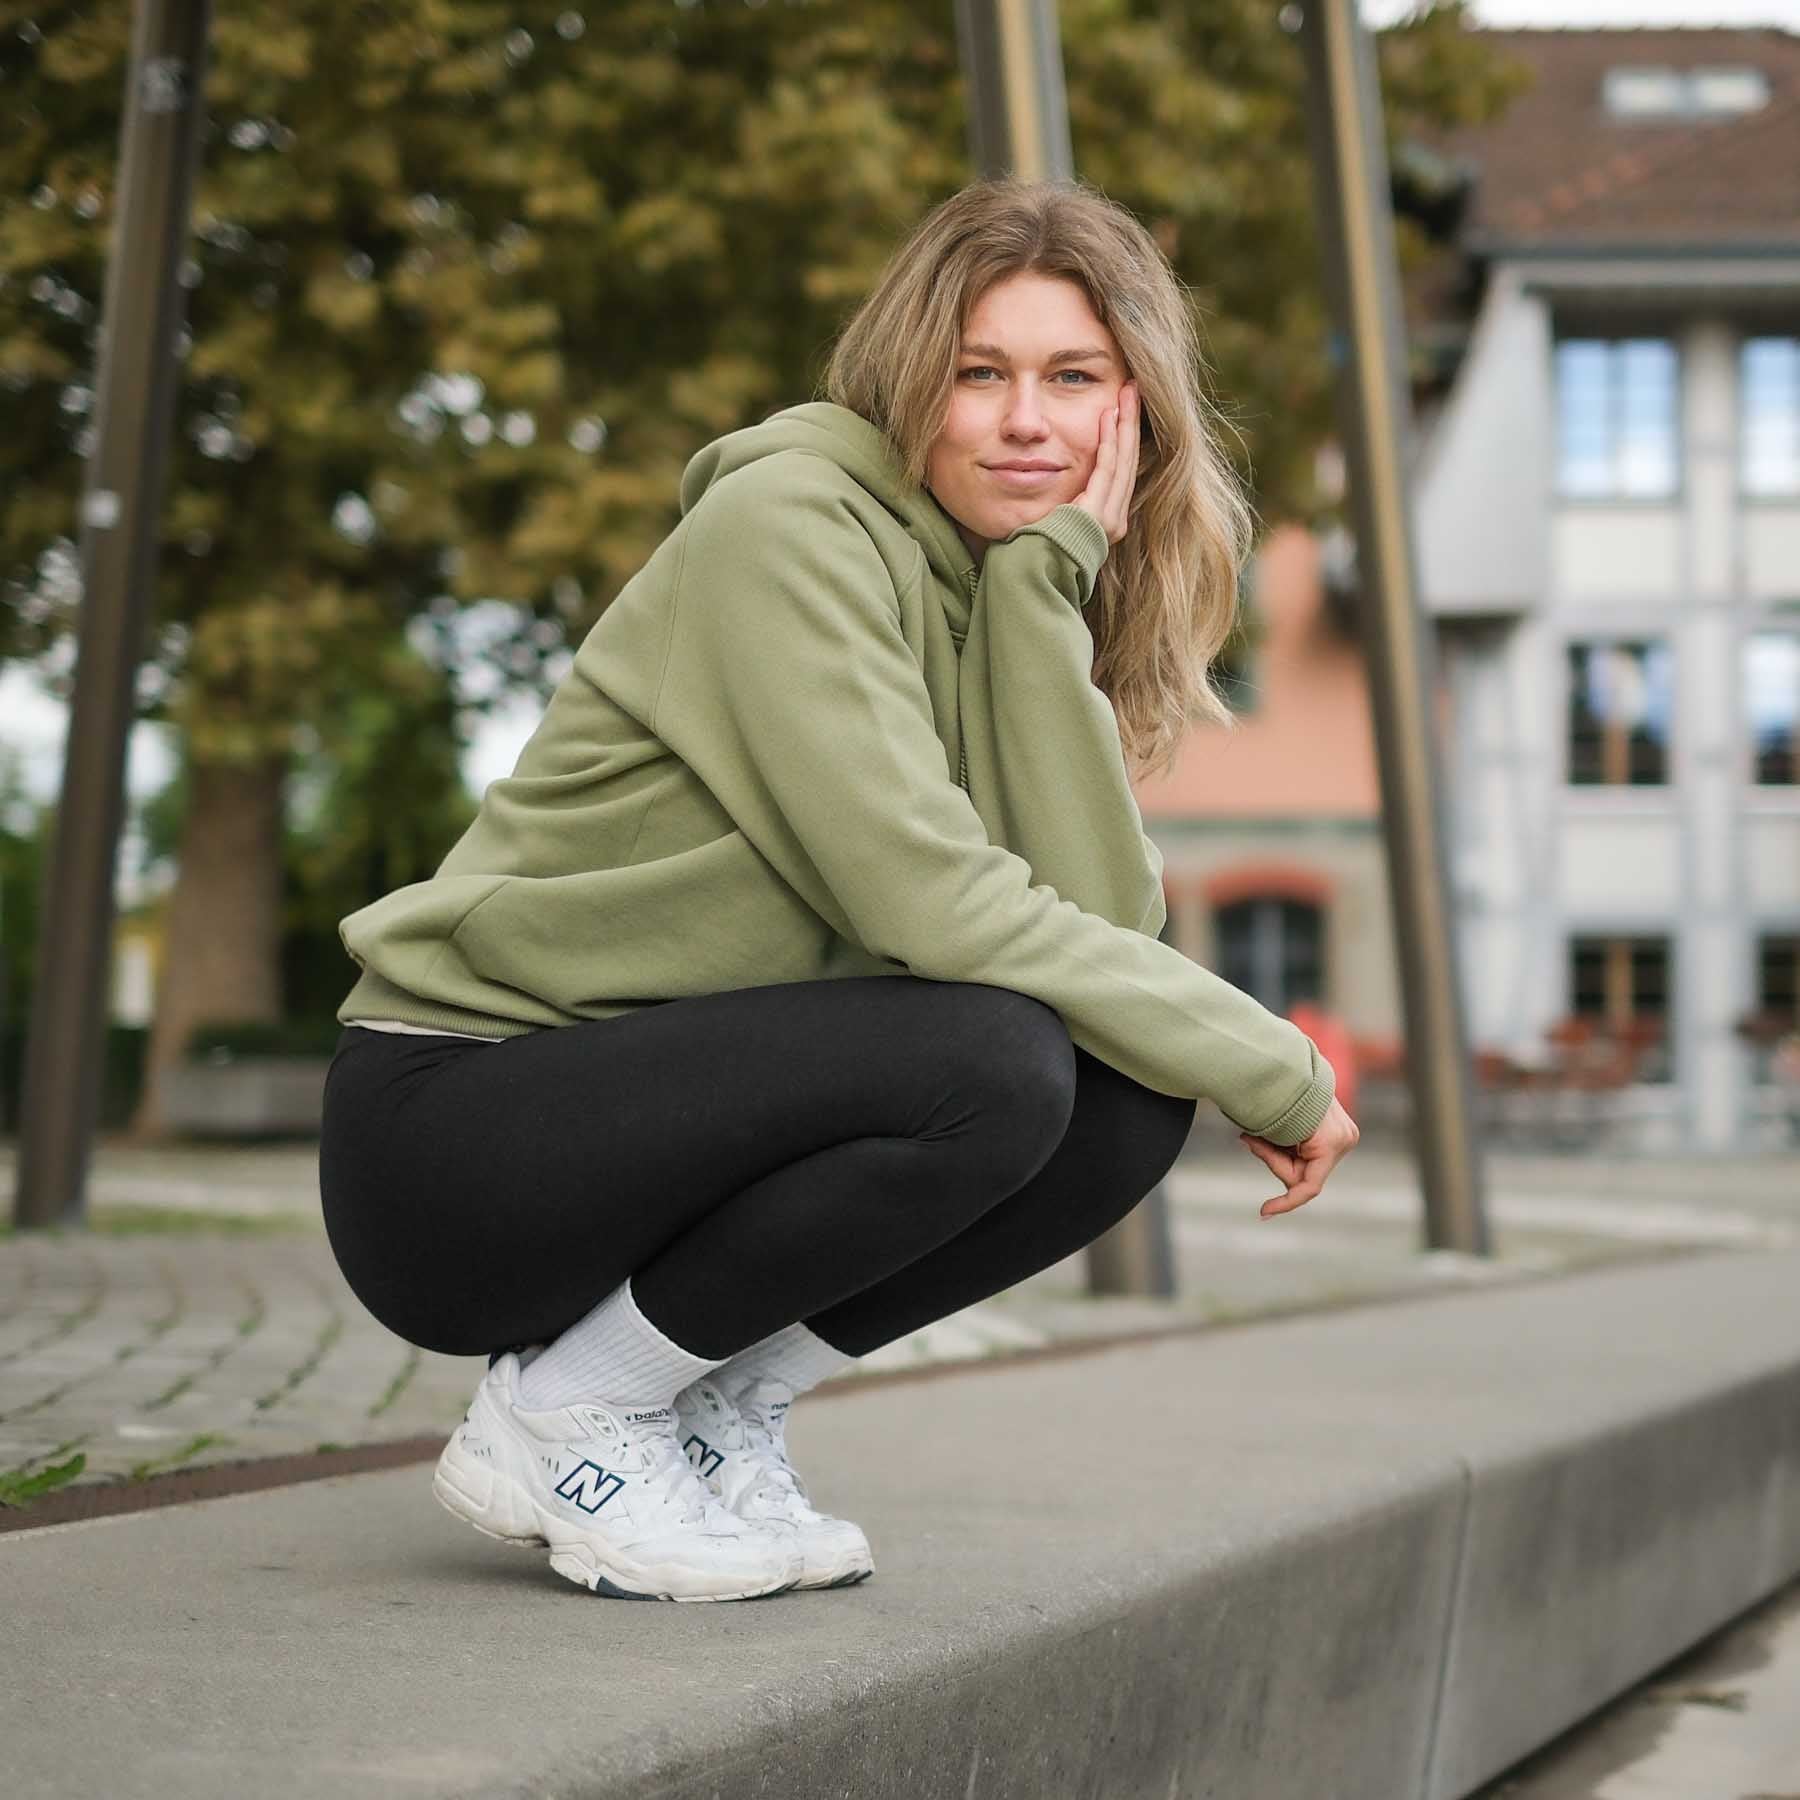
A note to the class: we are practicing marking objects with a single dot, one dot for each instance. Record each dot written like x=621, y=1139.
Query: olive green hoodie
x=813, y=737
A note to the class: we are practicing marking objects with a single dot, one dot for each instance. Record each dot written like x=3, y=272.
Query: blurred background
x=465, y=287
x=450, y=338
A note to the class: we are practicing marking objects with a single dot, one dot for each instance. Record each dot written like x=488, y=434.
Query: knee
x=1129, y=1135
x=1011, y=1063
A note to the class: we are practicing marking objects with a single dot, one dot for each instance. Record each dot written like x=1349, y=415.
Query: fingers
x=1277, y=1156
x=1096, y=497
x=1115, y=463
x=1123, y=437
x=1294, y=1197
x=1302, y=1178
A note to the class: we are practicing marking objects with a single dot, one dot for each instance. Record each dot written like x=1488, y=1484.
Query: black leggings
x=865, y=1154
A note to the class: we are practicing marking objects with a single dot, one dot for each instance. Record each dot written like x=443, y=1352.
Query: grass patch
x=21, y=1490
x=203, y=1441
x=396, y=1387
x=334, y=1329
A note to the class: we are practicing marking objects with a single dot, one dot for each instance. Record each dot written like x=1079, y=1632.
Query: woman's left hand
x=1108, y=492
x=1302, y=1167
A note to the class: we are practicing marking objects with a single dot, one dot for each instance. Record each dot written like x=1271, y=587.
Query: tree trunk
x=222, y=938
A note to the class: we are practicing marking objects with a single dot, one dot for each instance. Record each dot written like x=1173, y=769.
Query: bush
x=230, y=1040
x=121, y=1075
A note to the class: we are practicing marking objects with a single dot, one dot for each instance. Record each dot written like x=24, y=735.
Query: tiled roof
x=1557, y=170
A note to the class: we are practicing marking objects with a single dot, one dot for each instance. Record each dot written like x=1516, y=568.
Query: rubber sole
x=500, y=1508
x=843, y=1578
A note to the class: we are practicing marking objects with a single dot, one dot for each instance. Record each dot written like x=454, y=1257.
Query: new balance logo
x=701, y=1454
x=589, y=1486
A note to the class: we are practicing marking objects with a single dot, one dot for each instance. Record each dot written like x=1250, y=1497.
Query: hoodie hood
x=863, y=451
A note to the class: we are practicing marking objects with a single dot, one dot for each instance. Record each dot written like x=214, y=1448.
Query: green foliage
x=375, y=804
x=233, y=1040
x=468, y=284
x=24, y=845
x=20, y=1490
x=122, y=1055
x=378, y=799
x=632, y=230
x=157, y=1465
x=1194, y=117
x=311, y=484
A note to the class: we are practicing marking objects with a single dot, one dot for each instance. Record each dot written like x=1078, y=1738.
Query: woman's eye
x=989, y=369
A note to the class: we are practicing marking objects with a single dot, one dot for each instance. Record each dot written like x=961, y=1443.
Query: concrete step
x=1368, y=1556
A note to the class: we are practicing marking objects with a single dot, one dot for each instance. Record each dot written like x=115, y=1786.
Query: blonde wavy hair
x=1166, y=599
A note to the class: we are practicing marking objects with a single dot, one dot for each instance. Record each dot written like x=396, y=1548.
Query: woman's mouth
x=1021, y=478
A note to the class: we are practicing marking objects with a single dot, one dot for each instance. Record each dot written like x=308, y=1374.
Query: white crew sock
x=796, y=1355
x=615, y=1354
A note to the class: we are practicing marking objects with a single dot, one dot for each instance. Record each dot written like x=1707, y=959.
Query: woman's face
x=1036, y=372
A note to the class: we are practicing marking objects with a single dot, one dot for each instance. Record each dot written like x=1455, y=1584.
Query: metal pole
x=158, y=150
x=1019, y=123
x=1018, y=111
x=1357, y=228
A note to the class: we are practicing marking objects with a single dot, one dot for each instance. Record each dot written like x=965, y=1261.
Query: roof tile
x=1557, y=170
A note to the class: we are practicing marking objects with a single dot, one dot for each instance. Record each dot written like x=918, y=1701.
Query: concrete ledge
x=250, y=1096
x=1382, y=1553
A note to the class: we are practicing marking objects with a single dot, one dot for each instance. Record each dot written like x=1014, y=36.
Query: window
x=1772, y=703
x=1623, y=984
x=1769, y=403
x=1621, y=697
x=1662, y=94
x=1773, y=1027
x=1274, y=950
x=1616, y=406
x=1778, y=978
x=1644, y=93
x=1717, y=93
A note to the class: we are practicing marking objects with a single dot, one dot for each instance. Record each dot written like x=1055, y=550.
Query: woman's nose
x=1025, y=412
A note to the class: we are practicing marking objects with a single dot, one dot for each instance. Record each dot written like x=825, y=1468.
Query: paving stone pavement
x=151, y=1352
x=221, y=1330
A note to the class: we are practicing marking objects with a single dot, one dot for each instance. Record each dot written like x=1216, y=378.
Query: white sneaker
x=611, y=1494
x=742, y=1450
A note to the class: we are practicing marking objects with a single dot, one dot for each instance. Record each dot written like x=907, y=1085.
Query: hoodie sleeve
x=1046, y=764
x=789, y=687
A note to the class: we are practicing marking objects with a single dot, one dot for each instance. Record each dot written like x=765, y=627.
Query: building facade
x=1607, y=521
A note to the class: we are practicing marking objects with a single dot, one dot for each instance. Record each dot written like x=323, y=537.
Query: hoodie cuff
x=1307, y=1113
x=1074, y=529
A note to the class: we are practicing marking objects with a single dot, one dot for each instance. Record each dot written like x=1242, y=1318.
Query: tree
x=310, y=506
x=374, y=804
x=470, y=282
x=23, y=833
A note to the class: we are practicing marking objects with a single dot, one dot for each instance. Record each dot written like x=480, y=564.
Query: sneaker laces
x=668, y=1469
x=766, y=1439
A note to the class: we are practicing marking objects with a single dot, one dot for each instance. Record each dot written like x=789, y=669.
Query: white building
x=1608, y=528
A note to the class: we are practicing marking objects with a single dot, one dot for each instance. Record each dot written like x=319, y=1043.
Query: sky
x=33, y=725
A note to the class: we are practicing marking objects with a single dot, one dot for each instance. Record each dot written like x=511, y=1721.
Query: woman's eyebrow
x=1091, y=353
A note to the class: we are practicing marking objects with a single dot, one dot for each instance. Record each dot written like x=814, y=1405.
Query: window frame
x=1623, y=639
x=1746, y=494
x=1570, y=332
x=1320, y=925
x=1767, y=627
x=1629, y=939
x=1771, y=939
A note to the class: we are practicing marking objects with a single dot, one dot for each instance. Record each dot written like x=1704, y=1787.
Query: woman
x=801, y=985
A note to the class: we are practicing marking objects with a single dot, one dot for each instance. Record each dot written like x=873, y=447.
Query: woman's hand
x=1108, y=492
x=1302, y=1167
